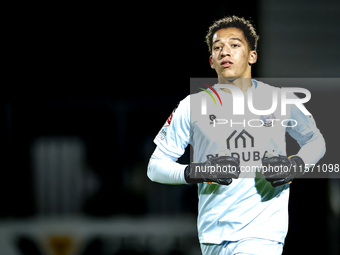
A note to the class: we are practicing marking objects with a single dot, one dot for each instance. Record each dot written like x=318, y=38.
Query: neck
x=242, y=83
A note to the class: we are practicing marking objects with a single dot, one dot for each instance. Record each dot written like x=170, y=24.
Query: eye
x=235, y=45
x=217, y=47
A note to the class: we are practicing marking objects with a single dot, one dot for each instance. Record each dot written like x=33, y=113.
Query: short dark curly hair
x=233, y=21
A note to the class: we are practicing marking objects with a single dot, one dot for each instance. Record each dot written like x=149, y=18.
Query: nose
x=225, y=52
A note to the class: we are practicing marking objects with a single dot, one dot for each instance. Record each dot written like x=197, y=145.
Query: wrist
x=190, y=175
x=187, y=174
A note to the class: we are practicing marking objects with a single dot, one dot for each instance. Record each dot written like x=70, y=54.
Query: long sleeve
x=171, y=142
x=308, y=136
x=162, y=168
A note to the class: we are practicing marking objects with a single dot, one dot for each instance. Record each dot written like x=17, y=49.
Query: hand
x=220, y=170
x=279, y=170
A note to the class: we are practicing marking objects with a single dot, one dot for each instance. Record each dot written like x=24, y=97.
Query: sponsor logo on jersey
x=242, y=135
x=162, y=134
x=242, y=140
x=168, y=121
x=212, y=117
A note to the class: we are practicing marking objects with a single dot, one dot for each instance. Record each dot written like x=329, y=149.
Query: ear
x=252, y=57
x=211, y=62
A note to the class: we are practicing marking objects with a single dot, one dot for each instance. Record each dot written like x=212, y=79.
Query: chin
x=228, y=74
x=229, y=78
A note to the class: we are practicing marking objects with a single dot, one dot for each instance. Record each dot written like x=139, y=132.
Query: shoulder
x=189, y=101
x=261, y=86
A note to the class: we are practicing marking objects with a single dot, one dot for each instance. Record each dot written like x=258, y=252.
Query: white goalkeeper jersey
x=249, y=206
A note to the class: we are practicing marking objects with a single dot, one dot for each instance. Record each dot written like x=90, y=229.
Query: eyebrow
x=238, y=39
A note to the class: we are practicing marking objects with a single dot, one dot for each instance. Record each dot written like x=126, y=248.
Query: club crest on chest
x=268, y=120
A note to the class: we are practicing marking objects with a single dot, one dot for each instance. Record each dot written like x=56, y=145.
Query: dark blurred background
x=88, y=89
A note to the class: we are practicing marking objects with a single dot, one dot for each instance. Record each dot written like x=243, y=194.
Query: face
x=231, y=55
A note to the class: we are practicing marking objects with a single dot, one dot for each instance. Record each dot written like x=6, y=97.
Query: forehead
x=227, y=33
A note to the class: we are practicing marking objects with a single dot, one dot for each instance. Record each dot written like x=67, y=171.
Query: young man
x=240, y=211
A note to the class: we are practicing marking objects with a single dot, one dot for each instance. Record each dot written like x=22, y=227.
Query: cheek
x=215, y=57
x=244, y=57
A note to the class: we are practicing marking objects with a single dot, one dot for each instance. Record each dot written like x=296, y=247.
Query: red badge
x=167, y=123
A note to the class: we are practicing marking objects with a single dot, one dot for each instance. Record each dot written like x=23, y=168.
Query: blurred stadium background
x=90, y=87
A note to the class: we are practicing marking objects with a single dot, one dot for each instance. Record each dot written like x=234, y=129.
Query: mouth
x=226, y=63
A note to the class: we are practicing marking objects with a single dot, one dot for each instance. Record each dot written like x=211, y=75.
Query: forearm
x=308, y=136
x=312, y=151
x=164, y=169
